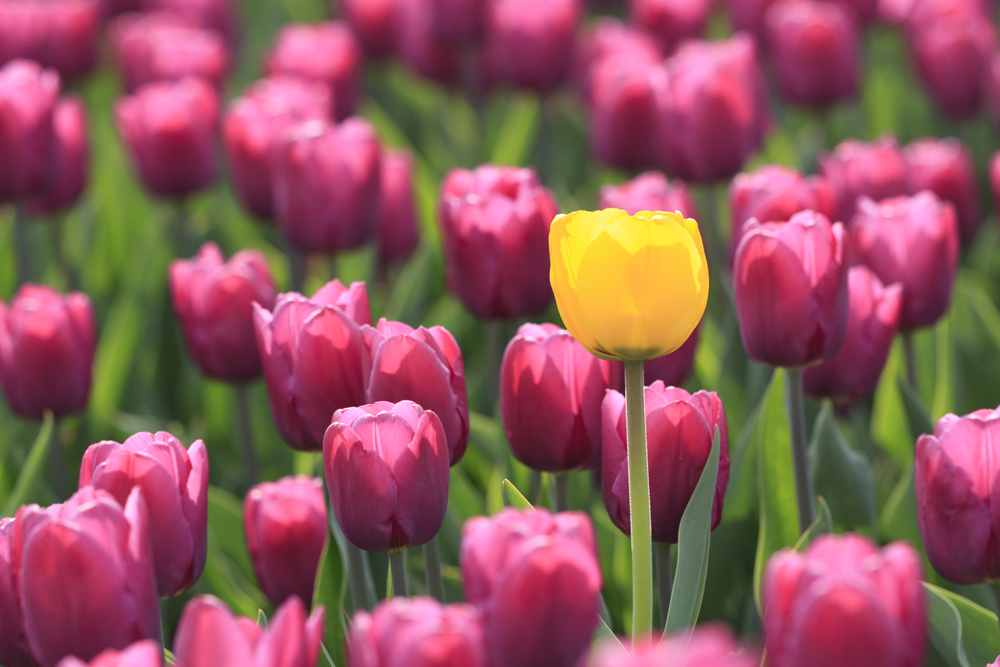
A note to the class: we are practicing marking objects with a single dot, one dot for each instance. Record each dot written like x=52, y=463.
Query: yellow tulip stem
x=638, y=499
x=795, y=404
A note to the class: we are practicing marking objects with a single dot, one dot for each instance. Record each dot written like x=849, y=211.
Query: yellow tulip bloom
x=628, y=286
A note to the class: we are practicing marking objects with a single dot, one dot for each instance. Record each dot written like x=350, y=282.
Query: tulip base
x=397, y=565
x=244, y=429
x=664, y=579
x=795, y=404
x=638, y=498
x=432, y=567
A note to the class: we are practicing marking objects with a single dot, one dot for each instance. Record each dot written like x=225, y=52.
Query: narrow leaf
x=964, y=633
x=841, y=475
x=513, y=497
x=31, y=473
x=330, y=591
x=822, y=524
x=917, y=415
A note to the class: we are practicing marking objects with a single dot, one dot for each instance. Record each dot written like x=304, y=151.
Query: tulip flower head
x=14, y=650
x=945, y=167
x=71, y=160
x=144, y=653
x=28, y=95
x=876, y=169
x=650, y=191
x=61, y=34
x=375, y=23
x=705, y=646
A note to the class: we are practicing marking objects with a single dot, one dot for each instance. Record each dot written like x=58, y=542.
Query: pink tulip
x=855, y=168
x=750, y=15
x=945, y=167
x=143, y=653
x=610, y=37
x=706, y=646
x=398, y=227
x=625, y=92
x=219, y=15
x=419, y=45
x=61, y=34
x=650, y=191
x=28, y=97
x=376, y=24
x=459, y=21
x=14, y=650
x=671, y=20
x=71, y=164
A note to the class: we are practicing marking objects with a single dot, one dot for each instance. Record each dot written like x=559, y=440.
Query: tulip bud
x=550, y=399
x=680, y=428
x=424, y=366
x=913, y=241
x=674, y=368
x=61, y=34
x=625, y=92
x=28, y=97
x=419, y=632
x=72, y=157
x=704, y=646
x=314, y=358
x=322, y=52
x=14, y=651
x=326, y=185
x=169, y=128
x=608, y=38
x=945, y=167
x=208, y=635
x=495, y=223
x=164, y=47
x=387, y=473
x=286, y=530
x=844, y=602
x=398, y=229
x=375, y=23
x=84, y=575
x=218, y=15
x=47, y=343
x=877, y=170
x=213, y=300
x=790, y=285
x=420, y=47
x=536, y=579
x=713, y=115
x=648, y=192
x=144, y=653
x=529, y=43
x=671, y=20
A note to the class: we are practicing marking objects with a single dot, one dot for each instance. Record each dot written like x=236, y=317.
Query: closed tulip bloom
x=855, y=168
x=47, y=343
x=713, y=115
x=610, y=37
x=674, y=368
x=459, y=21
x=326, y=185
x=28, y=95
x=314, y=355
x=705, y=646
x=84, y=575
x=495, y=222
x=551, y=390
x=671, y=20
x=322, y=52
x=650, y=191
x=375, y=23
x=213, y=300
x=844, y=602
x=624, y=94
x=854, y=370
x=750, y=15
x=144, y=653
x=219, y=15
x=945, y=167
x=790, y=285
x=208, y=635
x=169, y=128
x=913, y=241
x=420, y=47
x=387, y=473
x=398, y=228
x=61, y=34
x=424, y=366
x=286, y=530
x=956, y=475
x=417, y=632
x=14, y=651
x=71, y=162
x=605, y=265
x=254, y=127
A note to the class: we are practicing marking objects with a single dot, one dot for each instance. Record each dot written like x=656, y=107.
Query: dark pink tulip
x=945, y=167
x=144, y=653
x=417, y=632
x=254, y=127
x=71, y=162
x=706, y=646
x=164, y=47
x=854, y=168
x=28, y=97
x=913, y=241
x=674, y=368
x=535, y=577
x=854, y=370
x=551, y=390
x=424, y=366
x=14, y=651
x=47, y=343
x=420, y=47
x=790, y=284
x=713, y=115
x=607, y=38
x=679, y=432
x=844, y=602
x=314, y=358
x=169, y=128
x=61, y=34
x=286, y=530
x=213, y=300
x=84, y=575
x=398, y=228
x=326, y=185
x=459, y=21
x=650, y=191
x=376, y=24
x=387, y=473
x=219, y=15
x=750, y=15
x=495, y=222
x=671, y=20
x=625, y=91
x=322, y=52
x=957, y=474
x=208, y=635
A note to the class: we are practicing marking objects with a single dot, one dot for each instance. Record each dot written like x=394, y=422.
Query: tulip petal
x=209, y=636
x=359, y=479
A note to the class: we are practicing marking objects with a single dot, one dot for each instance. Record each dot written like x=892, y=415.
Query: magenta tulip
x=47, y=344
x=314, y=358
x=674, y=368
x=945, y=167
x=648, y=192
x=625, y=91
x=459, y=21
x=387, y=473
x=286, y=530
x=421, y=48
x=208, y=635
x=671, y=20
x=398, y=228
x=529, y=43
x=375, y=23
x=322, y=52
x=750, y=15
x=844, y=602
x=14, y=650
x=169, y=128
x=705, y=646
x=213, y=300
x=495, y=223
x=855, y=168
x=143, y=653
x=326, y=185
x=71, y=160
x=913, y=241
x=608, y=38
x=417, y=632
x=61, y=34
x=84, y=575
x=219, y=15
x=790, y=285
x=28, y=97
x=424, y=366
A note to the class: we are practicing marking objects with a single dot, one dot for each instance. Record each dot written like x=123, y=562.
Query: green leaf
x=330, y=591
x=694, y=541
x=890, y=428
x=31, y=473
x=517, y=133
x=513, y=497
x=917, y=415
x=966, y=634
x=898, y=520
x=225, y=517
x=841, y=475
x=823, y=523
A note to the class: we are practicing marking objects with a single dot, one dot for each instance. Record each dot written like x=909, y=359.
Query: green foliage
x=842, y=476
x=964, y=633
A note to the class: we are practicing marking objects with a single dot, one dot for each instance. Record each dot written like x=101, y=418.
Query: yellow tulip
x=628, y=286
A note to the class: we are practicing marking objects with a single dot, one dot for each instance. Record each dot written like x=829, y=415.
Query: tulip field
x=499, y=333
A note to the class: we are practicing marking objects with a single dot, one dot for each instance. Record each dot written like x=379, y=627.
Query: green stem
x=995, y=587
x=356, y=570
x=562, y=491
x=494, y=353
x=57, y=463
x=21, y=246
x=432, y=566
x=664, y=579
x=182, y=231
x=245, y=433
x=398, y=566
x=534, y=487
x=911, y=359
x=297, y=265
x=795, y=404
x=638, y=498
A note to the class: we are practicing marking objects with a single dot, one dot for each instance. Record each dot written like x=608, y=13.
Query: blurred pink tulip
x=14, y=650
x=877, y=169
x=606, y=38
x=71, y=163
x=28, y=95
x=671, y=20
x=219, y=15
x=625, y=92
x=945, y=167
x=398, y=227
x=750, y=15
x=61, y=34
x=144, y=653
x=459, y=21
x=705, y=646
x=376, y=24
x=529, y=43
x=420, y=47
x=674, y=368
x=650, y=191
